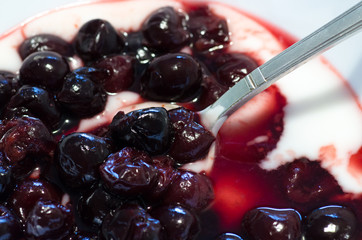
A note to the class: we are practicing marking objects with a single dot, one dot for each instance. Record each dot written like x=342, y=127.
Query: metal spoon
x=264, y=76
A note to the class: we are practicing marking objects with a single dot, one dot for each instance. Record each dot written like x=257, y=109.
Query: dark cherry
x=332, y=223
x=172, y=77
x=272, y=224
x=177, y=222
x=38, y=102
x=191, y=140
x=306, y=181
x=24, y=137
x=191, y=190
x=130, y=222
x=48, y=220
x=230, y=68
x=81, y=96
x=6, y=176
x=97, y=38
x=229, y=236
x=10, y=227
x=165, y=172
x=146, y=129
x=78, y=157
x=45, y=42
x=79, y=235
x=94, y=205
x=9, y=84
x=129, y=172
x=29, y=192
x=119, y=72
x=210, y=32
x=165, y=30
x=45, y=68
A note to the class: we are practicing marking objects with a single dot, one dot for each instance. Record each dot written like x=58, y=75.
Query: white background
x=299, y=17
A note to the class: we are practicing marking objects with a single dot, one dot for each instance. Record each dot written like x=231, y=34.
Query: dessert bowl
x=291, y=154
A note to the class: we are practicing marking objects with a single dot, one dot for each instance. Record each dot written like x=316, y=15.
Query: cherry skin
x=45, y=69
x=165, y=30
x=145, y=129
x=332, y=223
x=191, y=190
x=45, y=42
x=78, y=157
x=97, y=38
x=228, y=236
x=49, y=220
x=177, y=222
x=128, y=173
x=270, y=223
x=172, y=77
x=10, y=227
x=130, y=222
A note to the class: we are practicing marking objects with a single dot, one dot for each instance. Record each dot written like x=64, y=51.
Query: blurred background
x=297, y=17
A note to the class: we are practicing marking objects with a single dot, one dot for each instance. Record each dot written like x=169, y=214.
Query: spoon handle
x=262, y=77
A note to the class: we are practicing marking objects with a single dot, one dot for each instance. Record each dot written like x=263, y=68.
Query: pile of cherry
x=122, y=181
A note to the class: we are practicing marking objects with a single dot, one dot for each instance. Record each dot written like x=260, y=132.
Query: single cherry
x=191, y=190
x=332, y=223
x=45, y=42
x=45, y=68
x=128, y=173
x=38, y=102
x=78, y=157
x=165, y=30
x=48, y=220
x=130, y=222
x=191, y=140
x=97, y=38
x=172, y=77
x=273, y=224
x=145, y=129
x=177, y=222
x=81, y=96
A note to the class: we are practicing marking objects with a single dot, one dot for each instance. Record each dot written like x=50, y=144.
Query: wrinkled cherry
x=172, y=77
x=45, y=42
x=228, y=236
x=94, y=205
x=119, y=72
x=165, y=30
x=49, y=220
x=10, y=227
x=272, y=224
x=45, y=69
x=165, y=172
x=97, y=38
x=29, y=192
x=177, y=222
x=78, y=157
x=306, y=181
x=210, y=32
x=191, y=190
x=128, y=172
x=130, y=222
x=81, y=96
x=191, y=140
x=37, y=101
x=145, y=129
x=332, y=223
x=26, y=136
